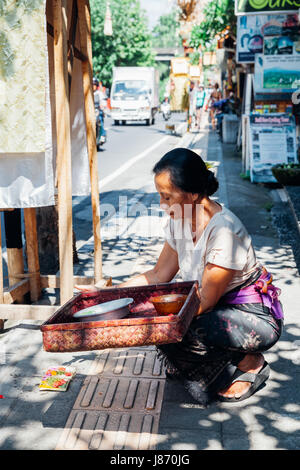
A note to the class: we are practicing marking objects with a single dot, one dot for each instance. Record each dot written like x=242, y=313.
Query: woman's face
x=175, y=202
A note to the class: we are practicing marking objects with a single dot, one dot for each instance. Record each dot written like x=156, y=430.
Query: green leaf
x=130, y=43
x=218, y=14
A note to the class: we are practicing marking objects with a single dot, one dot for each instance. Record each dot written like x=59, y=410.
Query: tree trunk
x=47, y=232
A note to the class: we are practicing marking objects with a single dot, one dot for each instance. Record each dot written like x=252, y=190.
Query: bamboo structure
x=64, y=31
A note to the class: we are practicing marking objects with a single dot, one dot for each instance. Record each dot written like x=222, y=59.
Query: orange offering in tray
x=169, y=304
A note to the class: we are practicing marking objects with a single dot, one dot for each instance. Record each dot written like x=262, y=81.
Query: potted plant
x=287, y=174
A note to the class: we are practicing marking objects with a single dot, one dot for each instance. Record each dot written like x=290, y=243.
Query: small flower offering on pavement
x=57, y=378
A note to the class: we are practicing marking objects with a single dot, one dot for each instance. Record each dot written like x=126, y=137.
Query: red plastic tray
x=142, y=327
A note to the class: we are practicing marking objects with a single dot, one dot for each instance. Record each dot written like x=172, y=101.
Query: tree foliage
x=219, y=15
x=165, y=35
x=130, y=44
x=165, y=32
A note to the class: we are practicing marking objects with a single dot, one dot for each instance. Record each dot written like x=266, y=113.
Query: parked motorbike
x=101, y=134
x=166, y=110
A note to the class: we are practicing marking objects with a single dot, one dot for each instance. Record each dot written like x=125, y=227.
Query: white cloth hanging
x=27, y=112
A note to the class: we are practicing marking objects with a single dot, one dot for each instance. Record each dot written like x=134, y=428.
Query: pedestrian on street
x=240, y=316
x=200, y=100
x=215, y=96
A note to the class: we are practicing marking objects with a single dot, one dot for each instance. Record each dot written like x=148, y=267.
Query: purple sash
x=262, y=291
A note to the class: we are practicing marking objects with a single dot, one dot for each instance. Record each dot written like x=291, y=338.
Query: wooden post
x=71, y=41
x=32, y=253
x=63, y=157
x=84, y=20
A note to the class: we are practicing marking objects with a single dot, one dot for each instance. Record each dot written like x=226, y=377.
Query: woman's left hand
x=88, y=288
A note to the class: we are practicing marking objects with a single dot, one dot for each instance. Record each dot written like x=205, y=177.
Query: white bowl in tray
x=112, y=310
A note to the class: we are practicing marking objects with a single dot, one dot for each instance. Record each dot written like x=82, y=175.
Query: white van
x=134, y=94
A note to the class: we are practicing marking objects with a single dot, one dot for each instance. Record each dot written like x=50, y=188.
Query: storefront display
x=268, y=41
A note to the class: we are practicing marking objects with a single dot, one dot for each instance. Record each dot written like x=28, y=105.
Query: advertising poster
x=278, y=84
x=258, y=81
x=282, y=62
x=251, y=31
x=272, y=141
x=281, y=73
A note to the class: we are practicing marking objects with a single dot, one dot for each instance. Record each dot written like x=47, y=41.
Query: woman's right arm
x=165, y=270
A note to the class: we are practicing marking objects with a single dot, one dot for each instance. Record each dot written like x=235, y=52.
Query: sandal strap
x=240, y=376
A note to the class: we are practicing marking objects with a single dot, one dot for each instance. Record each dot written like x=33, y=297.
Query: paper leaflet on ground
x=57, y=378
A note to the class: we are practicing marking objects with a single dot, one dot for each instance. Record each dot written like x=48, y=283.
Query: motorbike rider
x=166, y=108
x=99, y=108
x=98, y=95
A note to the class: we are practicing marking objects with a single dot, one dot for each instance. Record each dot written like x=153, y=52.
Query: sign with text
x=272, y=141
x=246, y=7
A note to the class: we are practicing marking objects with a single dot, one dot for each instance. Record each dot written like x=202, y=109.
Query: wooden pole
x=32, y=253
x=71, y=41
x=84, y=19
x=63, y=157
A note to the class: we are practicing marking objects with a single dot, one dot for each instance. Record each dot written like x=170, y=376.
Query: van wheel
x=123, y=122
x=116, y=122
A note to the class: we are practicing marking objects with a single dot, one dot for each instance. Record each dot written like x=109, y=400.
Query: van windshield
x=130, y=89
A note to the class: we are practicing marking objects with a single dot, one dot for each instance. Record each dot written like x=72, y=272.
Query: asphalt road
x=124, y=166
x=126, y=142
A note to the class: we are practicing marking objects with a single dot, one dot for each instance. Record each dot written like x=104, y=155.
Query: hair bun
x=188, y=172
x=212, y=183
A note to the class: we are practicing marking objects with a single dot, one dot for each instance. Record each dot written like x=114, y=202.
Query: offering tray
x=142, y=327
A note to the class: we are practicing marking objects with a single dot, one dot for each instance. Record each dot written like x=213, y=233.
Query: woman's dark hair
x=188, y=172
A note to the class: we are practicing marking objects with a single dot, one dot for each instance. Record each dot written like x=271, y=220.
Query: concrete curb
x=291, y=205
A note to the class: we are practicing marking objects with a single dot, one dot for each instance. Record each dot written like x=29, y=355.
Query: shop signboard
x=195, y=72
x=248, y=7
x=272, y=141
x=251, y=31
x=180, y=66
